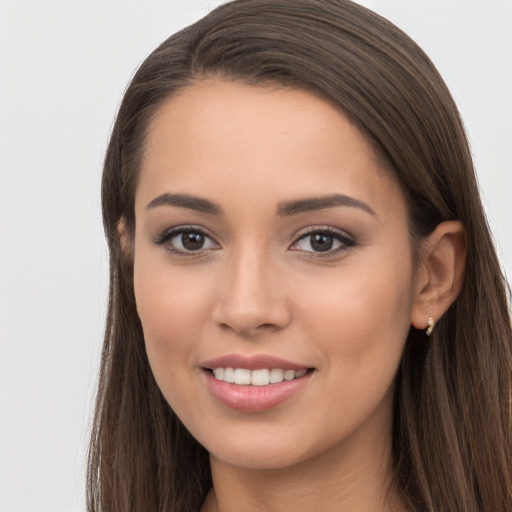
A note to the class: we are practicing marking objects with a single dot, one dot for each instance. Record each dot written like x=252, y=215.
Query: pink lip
x=253, y=398
x=252, y=362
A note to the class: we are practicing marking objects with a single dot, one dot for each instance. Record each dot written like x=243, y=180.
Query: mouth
x=259, y=377
x=254, y=384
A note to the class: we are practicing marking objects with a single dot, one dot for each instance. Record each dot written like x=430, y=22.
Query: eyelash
x=345, y=240
x=169, y=234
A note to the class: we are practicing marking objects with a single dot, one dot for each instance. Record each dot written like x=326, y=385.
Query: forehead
x=266, y=141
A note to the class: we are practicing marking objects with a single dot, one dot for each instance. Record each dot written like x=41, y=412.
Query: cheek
x=171, y=306
x=362, y=317
x=359, y=322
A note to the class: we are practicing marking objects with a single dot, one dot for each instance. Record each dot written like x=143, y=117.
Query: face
x=271, y=250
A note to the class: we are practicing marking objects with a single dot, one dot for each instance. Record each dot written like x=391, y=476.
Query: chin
x=255, y=458
x=255, y=449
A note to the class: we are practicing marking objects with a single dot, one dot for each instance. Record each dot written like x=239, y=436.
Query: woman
x=306, y=311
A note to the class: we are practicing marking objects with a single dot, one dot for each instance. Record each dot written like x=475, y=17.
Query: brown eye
x=183, y=240
x=192, y=241
x=321, y=243
x=327, y=240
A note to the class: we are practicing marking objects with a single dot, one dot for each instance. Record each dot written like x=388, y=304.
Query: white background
x=63, y=67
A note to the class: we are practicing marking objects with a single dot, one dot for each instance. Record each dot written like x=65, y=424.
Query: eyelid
x=347, y=240
x=170, y=233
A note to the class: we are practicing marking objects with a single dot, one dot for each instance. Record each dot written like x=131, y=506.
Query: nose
x=251, y=298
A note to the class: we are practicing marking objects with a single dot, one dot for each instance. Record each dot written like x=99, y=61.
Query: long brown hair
x=452, y=420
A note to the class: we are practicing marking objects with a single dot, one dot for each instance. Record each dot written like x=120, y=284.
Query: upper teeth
x=261, y=377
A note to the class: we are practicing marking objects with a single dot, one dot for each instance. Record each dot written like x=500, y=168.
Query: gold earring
x=430, y=325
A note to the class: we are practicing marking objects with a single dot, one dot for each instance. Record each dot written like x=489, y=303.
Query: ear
x=440, y=273
x=124, y=238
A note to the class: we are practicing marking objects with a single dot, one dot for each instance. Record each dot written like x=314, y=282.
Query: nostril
x=251, y=314
x=267, y=326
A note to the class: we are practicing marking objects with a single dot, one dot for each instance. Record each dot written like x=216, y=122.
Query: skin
x=258, y=287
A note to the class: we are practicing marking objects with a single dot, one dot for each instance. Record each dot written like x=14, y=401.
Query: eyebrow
x=309, y=204
x=185, y=201
x=284, y=209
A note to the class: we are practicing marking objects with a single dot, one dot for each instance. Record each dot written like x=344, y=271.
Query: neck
x=355, y=478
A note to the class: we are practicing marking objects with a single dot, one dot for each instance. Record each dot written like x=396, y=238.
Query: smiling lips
x=261, y=377
x=254, y=384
